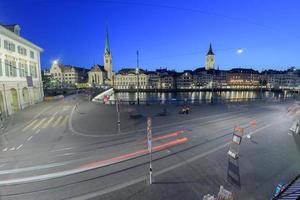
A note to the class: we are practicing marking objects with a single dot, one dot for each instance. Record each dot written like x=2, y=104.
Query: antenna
x=137, y=59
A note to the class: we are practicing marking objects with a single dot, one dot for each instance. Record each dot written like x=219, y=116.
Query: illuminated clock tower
x=210, y=59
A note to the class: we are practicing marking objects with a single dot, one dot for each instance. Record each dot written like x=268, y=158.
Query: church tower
x=108, y=59
x=210, y=59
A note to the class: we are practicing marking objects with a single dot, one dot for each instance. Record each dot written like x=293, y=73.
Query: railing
x=200, y=101
x=284, y=194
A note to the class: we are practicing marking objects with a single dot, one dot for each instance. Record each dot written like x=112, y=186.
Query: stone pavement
x=101, y=120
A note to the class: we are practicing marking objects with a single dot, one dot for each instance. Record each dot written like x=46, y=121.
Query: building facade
x=283, y=79
x=185, y=80
x=244, y=78
x=130, y=78
x=20, y=71
x=97, y=75
x=67, y=75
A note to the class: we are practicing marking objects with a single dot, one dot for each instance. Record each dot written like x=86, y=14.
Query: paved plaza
x=73, y=148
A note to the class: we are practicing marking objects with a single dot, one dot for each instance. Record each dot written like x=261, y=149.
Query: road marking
x=66, y=148
x=28, y=139
x=29, y=125
x=26, y=169
x=49, y=121
x=19, y=146
x=11, y=149
x=5, y=149
x=65, y=120
x=68, y=154
x=38, y=124
x=57, y=121
x=62, y=173
x=108, y=190
x=37, y=131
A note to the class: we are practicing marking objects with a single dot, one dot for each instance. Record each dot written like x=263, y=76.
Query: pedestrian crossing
x=47, y=122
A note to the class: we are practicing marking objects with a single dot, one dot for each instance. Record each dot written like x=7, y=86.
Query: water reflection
x=199, y=96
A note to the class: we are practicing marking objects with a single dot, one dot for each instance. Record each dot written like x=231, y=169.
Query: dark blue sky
x=169, y=33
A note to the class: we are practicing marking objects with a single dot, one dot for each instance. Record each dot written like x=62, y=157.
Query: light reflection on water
x=199, y=96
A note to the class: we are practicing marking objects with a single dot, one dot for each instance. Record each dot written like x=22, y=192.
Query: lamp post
x=137, y=71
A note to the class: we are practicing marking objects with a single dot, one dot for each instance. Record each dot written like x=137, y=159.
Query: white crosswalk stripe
x=39, y=124
x=57, y=121
x=46, y=122
x=29, y=125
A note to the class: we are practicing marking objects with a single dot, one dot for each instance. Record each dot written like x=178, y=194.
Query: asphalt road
x=58, y=151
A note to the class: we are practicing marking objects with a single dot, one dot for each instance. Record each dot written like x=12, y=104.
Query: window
x=33, y=71
x=26, y=70
x=32, y=54
x=10, y=68
x=9, y=45
x=22, y=70
x=22, y=50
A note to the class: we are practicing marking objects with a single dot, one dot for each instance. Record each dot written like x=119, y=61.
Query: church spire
x=107, y=48
x=210, y=51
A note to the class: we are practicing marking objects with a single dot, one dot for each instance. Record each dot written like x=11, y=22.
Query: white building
x=20, y=71
x=130, y=78
x=67, y=75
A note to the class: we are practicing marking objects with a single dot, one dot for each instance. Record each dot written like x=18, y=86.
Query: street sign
x=105, y=99
x=237, y=139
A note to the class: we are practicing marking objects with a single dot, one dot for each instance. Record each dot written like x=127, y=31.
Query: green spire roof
x=107, y=48
x=210, y=51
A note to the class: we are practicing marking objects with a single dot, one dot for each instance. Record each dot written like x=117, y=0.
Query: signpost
x=236, y=141
x=149, y=139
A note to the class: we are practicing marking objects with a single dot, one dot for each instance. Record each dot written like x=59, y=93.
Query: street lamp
x=137, y=71
x=55, y=62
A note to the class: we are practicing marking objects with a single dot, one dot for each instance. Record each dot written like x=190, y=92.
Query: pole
x=118, y=115
x=138, y=77
x=149, y=136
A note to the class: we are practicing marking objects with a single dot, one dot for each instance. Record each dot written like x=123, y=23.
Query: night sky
x=170, y=33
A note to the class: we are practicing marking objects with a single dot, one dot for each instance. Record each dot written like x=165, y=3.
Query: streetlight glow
x=55, y=62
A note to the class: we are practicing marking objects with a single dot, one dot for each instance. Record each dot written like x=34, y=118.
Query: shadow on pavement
x=233, y=172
